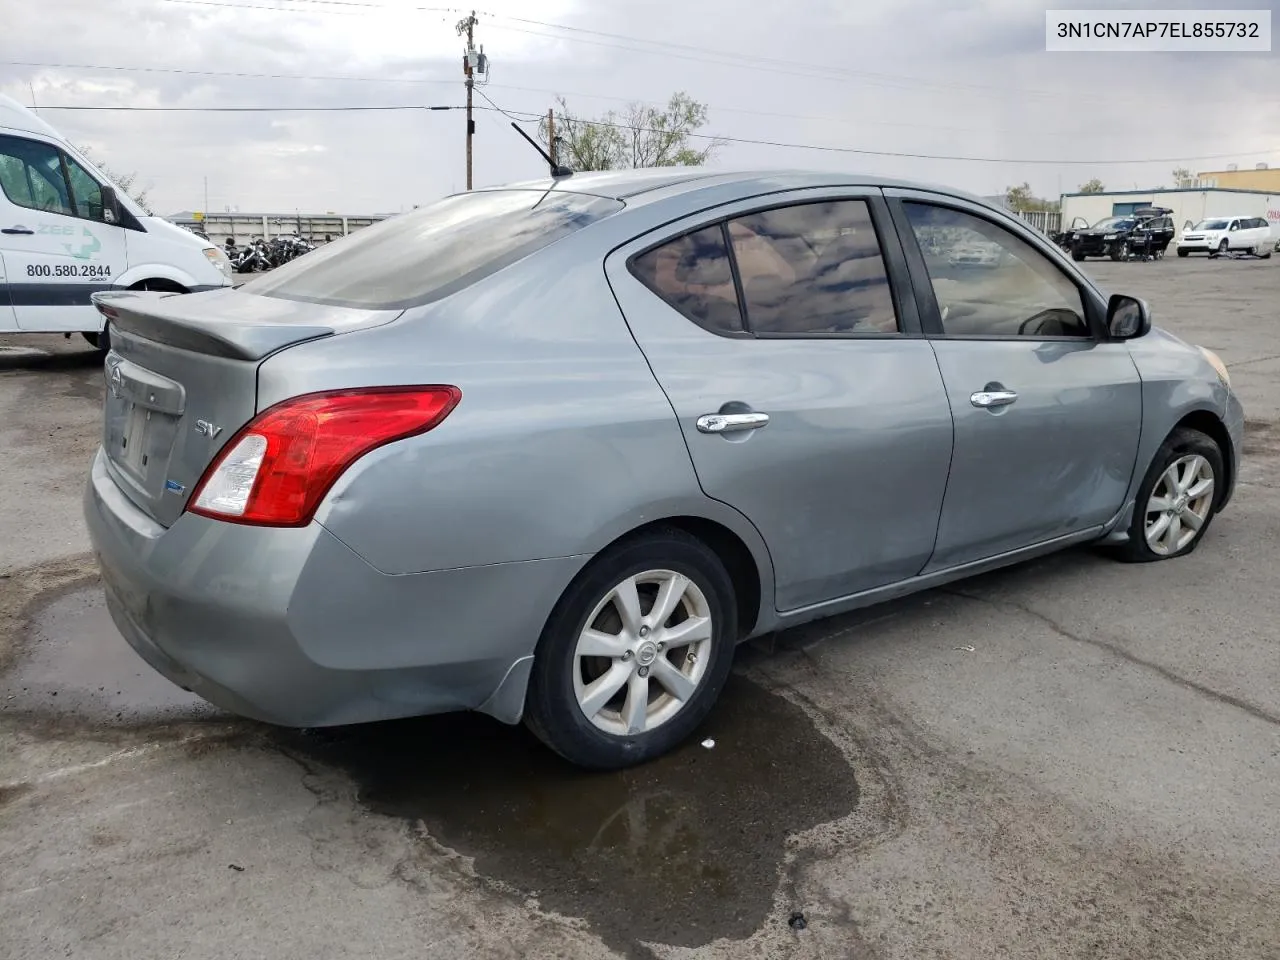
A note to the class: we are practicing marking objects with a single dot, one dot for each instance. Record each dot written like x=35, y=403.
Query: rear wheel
x=635, y=653
x=1177, y=500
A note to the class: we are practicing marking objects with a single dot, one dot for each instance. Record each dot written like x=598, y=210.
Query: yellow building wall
x=1264, y=180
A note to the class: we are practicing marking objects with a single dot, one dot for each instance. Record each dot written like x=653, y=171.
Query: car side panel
x=1177, y=381
x=562, y=442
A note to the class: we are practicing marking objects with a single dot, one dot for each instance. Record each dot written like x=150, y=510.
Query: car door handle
x=731, y=422
x=17, y=229
x=993, y=398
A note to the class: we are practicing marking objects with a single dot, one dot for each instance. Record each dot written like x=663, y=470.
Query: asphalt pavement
x=1073, y=758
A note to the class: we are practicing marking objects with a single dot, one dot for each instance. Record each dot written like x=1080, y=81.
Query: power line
x=523, y=116
x=344, y=109
x=672, y=49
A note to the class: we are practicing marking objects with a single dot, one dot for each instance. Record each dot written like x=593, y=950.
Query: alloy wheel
x=643, y=652
x=1179, y=505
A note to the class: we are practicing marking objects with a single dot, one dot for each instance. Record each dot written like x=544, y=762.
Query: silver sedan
x=550, y=451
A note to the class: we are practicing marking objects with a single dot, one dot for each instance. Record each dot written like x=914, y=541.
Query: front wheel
x=100, y=340
x=1077, y=256
x=1120, y=251
x=635, y=653
x=1184, y=253
x=1177, y=500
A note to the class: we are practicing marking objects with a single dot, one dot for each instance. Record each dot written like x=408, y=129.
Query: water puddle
x=72, y=660
x=682, y=851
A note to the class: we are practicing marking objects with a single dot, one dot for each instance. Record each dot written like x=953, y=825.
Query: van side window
x=86, y=191
x=31, y=176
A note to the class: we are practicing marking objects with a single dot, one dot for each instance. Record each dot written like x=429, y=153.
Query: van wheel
x=635, y=653
x=102, y=340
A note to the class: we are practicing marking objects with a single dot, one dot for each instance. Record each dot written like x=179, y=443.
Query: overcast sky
x=960, y=78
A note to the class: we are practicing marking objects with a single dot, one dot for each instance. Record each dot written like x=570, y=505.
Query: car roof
x=639, y=184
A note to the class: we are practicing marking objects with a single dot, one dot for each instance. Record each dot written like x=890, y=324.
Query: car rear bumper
x=292, y=627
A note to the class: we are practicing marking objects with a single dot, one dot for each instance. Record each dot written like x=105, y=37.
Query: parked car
x=1218, y=235
x=550, y=451
x=1146, y=232
x=1067, y=238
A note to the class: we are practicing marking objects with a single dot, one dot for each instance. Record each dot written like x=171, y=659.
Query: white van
x=66, y=233
x=1221, y=234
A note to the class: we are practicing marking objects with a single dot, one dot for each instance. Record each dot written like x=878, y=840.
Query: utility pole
x=551, y=136
x=467, y=26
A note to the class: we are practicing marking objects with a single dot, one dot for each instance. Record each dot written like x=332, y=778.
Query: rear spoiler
x=154, y=315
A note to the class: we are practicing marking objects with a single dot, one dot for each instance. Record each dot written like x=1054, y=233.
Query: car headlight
x=1109, y=236
x=218, y=258
x=1219, y=367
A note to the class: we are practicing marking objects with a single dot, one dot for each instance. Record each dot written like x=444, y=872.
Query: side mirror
x=110, y=205
x=1127, y=317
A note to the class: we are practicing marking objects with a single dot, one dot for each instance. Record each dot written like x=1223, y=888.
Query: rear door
x=57, y=247
x=1047, y=415
x=808, y=398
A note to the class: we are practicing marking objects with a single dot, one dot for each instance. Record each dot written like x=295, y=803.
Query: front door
x=7, y=319
x=1047, y=415
x=808, y=399
x=58, y=250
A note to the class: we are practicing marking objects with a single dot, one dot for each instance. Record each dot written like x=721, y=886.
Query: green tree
x=126, y=183
x=640, y=135
x=1019, y=198
x=1093, y=186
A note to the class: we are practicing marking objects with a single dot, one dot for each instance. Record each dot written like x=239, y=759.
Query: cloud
x=964, y=78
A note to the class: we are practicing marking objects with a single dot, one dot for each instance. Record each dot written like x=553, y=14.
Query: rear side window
x=694, y=275
x=432, y=252
x=814, y=268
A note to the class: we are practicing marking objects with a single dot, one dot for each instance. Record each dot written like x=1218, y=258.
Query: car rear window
x=429, y=253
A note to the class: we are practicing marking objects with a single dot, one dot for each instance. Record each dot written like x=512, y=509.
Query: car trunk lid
x=182, y=379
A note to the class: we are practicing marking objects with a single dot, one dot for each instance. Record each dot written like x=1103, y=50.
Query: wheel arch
x=1212, y=426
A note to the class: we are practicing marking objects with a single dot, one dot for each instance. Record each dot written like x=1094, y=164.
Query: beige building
x=1261, y=178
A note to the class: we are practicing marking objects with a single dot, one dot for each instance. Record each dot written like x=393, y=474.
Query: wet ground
x=1072, y=758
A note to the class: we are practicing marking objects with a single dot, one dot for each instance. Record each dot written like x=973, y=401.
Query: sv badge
x=207, y=429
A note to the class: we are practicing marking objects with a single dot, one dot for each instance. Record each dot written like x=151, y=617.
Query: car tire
x=601, y=732
x=101, y=340
x=1077, y=256
x=1184, y=253
x=1120, y=251
x=1223, y=247
x=1162, y=507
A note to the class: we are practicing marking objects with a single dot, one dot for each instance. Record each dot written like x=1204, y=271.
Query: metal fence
x=243, y=227
x=1046, y=221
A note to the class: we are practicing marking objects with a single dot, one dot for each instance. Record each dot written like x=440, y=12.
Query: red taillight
x=278, y=468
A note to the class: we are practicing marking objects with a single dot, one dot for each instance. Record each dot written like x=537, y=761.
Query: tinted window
x=989, y=282
x=31, y=175
x=432, y=252
x=814, y=268
x=694, y=275
x=87, y=191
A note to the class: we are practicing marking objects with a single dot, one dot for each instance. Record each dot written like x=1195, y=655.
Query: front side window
x=813, y=268
x=991, y=283
x=31, y=176
x=86, y=191
x=694, y=275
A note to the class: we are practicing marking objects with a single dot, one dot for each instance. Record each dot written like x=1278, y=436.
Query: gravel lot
x=1072, y=758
